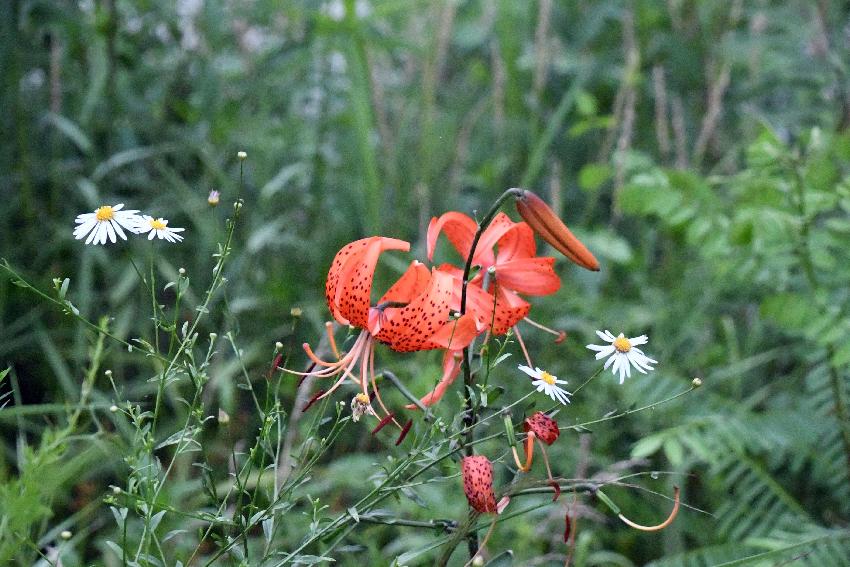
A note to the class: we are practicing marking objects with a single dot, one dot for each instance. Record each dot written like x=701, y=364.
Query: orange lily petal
x=531, y=276
x=454, y=334
x=409, y=285
x=510, y=310
x=460, y=230
x=517, y=243
x=407, y=328
x=349, y=284
x=451, y=370
x=495, y=231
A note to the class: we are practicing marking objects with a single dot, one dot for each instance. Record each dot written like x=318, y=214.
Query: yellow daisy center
x=104, y=213
x=622, y=344
x=548, y=378
x=158, y=224
x=362, y=398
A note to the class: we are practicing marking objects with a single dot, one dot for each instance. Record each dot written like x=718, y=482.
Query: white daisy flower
x=159, y=228
x=547, y=384
x=106, y=222
x=623, y=354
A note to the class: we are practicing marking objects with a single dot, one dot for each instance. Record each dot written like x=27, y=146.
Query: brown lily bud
x=543, y=426
x=546, y=223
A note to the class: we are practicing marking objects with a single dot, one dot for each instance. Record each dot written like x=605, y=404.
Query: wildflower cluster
x=447, y=307
x=108, y=222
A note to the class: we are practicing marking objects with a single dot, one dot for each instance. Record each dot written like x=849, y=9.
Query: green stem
x=469, y=416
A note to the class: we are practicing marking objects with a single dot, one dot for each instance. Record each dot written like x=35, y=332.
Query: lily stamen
x=329, y=329
x=522, y=346
x=559, y=335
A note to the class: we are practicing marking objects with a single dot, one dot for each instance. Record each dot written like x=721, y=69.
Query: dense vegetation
x=699, y=149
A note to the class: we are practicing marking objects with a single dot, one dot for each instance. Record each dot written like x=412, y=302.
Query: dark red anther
x=557, y=488
x=313, y=400
x=301, y=380
x=387, y=418
x=404, y=431
x=275, y=365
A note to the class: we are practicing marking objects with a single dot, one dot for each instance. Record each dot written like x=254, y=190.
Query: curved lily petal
x=516, y=243
x=533, y=276
x=407, y=328
x=349, y=284
x=451, y=370
x=458, y=228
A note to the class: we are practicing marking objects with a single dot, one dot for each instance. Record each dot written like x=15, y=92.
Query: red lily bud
x=543, y=426
x=546, y=223
x=477, y=472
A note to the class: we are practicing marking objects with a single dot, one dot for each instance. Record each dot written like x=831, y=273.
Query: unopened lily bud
x=546, y=223
x=477, y=474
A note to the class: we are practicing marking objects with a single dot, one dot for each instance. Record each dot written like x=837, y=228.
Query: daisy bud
x=113, y=408
x=116, y=490
x=295, y=312
x=108, y=373
x=543, y=426
x=478, y=561
x=182, y=271
x=65, y=534
x=477, y=472
x=546, y=223
x=213, y=198
x=278, y=345
x=696, y=382
x=242, y=156
x=213, y=336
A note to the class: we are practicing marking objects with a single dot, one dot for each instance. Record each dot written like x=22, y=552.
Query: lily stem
x=469, y=417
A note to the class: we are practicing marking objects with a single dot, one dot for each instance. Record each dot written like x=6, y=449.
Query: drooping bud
x=477, y=472
x=546, y=223
x=543, y=426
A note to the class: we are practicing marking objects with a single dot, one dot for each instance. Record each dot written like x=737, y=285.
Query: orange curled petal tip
x=546, y=223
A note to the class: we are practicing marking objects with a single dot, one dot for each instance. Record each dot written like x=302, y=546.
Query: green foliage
x=699, y=149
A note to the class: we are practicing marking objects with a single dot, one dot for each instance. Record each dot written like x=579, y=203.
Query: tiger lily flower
x=513, y=269
x=414, y=314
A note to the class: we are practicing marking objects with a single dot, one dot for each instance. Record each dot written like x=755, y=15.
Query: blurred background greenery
x=700, y=149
